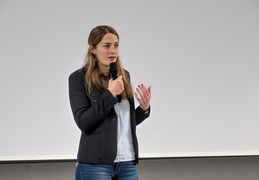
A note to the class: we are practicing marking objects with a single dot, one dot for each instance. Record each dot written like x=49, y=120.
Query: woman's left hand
x=143, y=96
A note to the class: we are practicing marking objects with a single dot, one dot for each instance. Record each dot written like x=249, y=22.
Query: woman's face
x=106, y=51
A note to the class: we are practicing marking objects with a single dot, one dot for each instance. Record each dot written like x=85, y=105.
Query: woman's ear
x=92, y=49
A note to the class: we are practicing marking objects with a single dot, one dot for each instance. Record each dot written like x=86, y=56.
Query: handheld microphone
x=114, y=72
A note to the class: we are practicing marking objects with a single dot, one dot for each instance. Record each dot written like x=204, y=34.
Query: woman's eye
x=107, y=46
x=116, y=45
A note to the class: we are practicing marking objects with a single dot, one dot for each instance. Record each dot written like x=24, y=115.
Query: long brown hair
x=93, y=75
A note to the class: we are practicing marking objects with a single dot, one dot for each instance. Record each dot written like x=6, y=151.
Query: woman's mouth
x=112, y=58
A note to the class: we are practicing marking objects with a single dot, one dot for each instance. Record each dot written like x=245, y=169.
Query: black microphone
x=114, y=72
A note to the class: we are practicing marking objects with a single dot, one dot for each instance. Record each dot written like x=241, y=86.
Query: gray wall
x=200, y=57
x=235, y=168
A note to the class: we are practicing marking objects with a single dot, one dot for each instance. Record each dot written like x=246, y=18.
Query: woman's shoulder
x=77, y=74
x=126, y=71
x=127, y=74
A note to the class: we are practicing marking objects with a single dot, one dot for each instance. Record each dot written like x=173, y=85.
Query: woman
x=108, y=146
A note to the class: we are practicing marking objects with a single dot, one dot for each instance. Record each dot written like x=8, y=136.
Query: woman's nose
x=113, y=49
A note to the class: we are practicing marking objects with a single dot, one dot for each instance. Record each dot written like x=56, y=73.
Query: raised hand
x=143, y=96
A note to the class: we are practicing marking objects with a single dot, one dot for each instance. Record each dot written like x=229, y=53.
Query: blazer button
x=108, y=108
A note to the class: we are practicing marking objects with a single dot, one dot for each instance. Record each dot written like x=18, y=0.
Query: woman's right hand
x=116, y=86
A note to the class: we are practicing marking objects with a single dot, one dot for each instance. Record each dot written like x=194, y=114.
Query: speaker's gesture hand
x=143, y=96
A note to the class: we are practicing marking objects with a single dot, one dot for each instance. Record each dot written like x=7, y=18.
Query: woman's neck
x=104, y=70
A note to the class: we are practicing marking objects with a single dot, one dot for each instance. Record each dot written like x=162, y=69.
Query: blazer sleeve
x=88, y=114
x=141, y=115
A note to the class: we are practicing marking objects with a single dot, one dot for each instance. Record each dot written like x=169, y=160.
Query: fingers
x=143, y=96
x=116, y=86
x=120, y=82
x=149, y=90
x=119, y=77
x=144, y=92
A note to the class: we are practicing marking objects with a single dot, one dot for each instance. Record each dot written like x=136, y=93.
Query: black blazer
x=97, y=121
